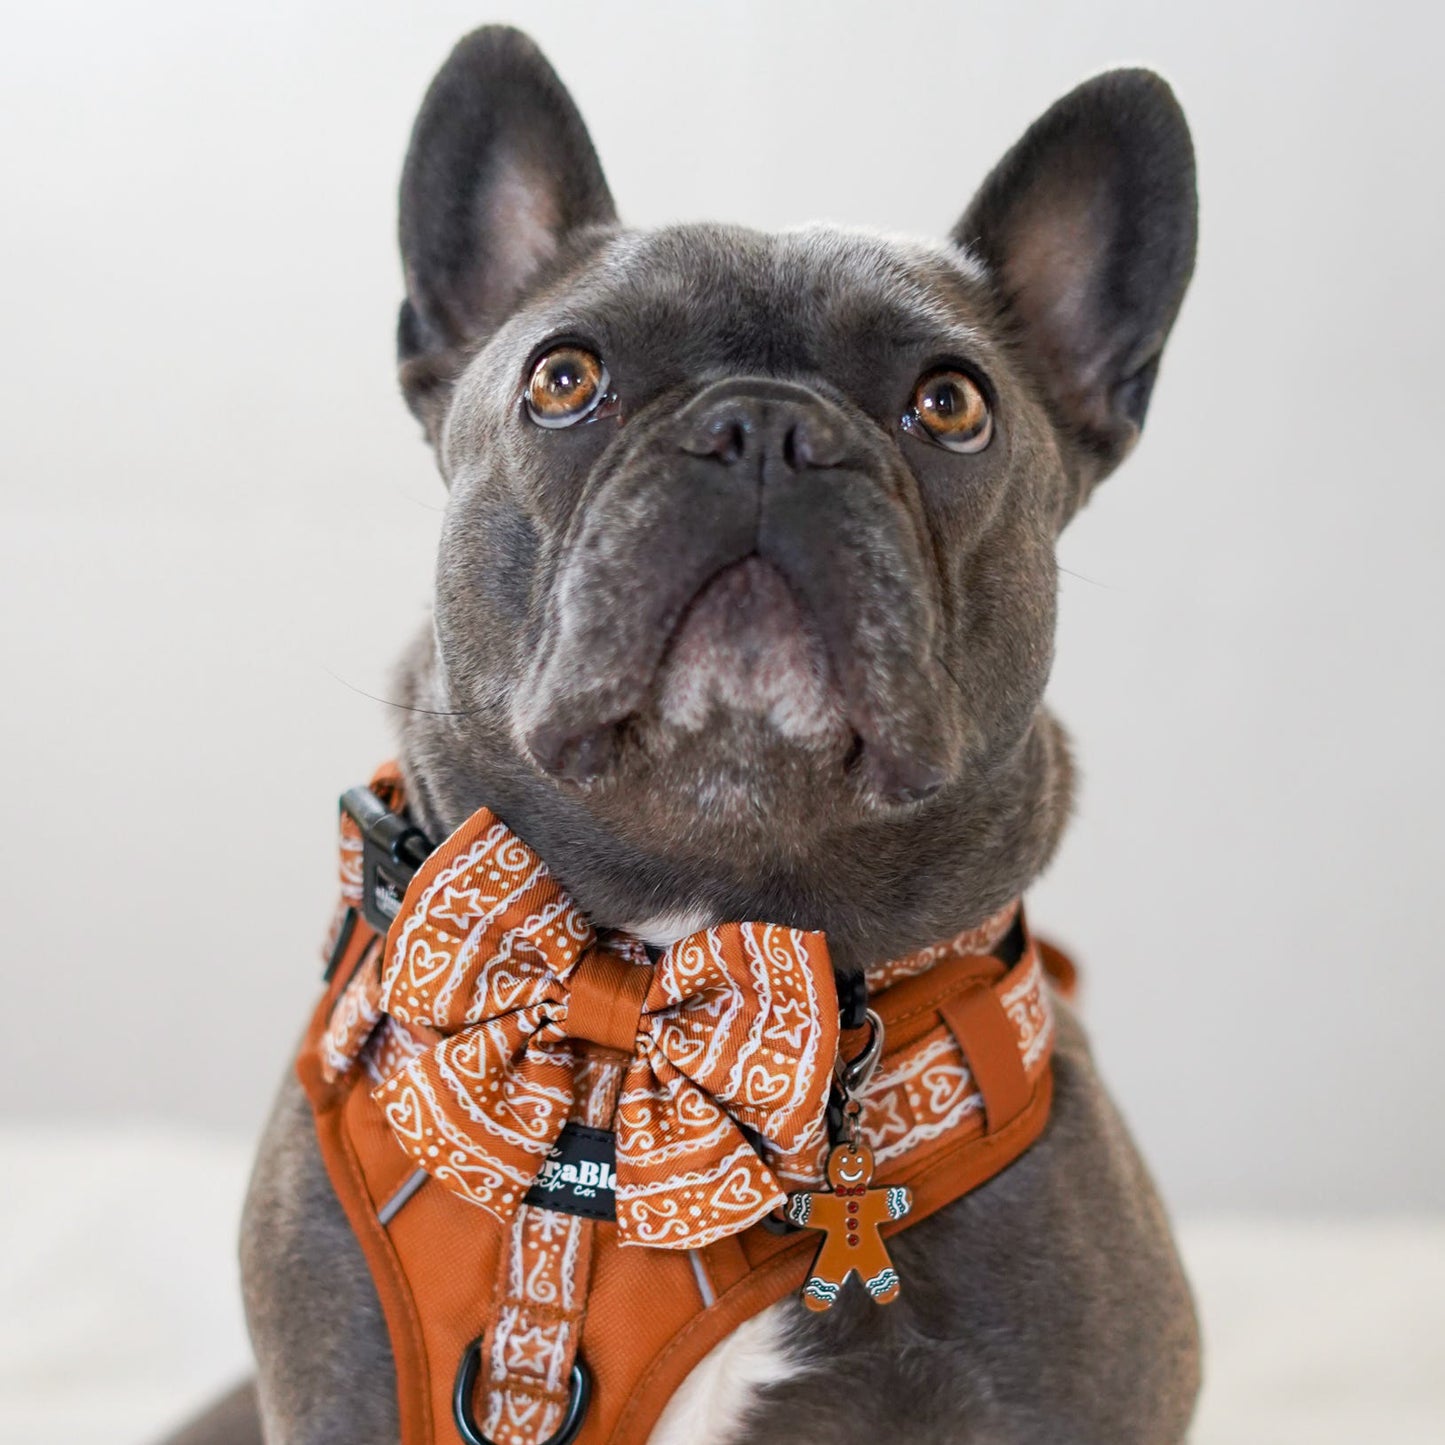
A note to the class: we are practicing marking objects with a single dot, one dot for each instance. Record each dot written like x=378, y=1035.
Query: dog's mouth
x=744, y=649
x=746, y=645
x=708, y=609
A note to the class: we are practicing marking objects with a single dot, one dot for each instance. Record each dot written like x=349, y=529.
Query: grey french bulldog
x=744, y=609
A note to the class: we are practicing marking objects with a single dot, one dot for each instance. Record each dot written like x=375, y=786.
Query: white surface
x=121, y=1310
x=207, y=471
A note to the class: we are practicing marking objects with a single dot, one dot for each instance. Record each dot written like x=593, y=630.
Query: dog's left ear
x=1088, y=228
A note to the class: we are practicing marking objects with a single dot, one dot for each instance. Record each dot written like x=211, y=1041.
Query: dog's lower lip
x=742, y=644
x=745, y=644
x=757, y=585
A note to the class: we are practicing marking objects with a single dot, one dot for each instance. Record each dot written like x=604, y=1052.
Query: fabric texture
x=733, y=1028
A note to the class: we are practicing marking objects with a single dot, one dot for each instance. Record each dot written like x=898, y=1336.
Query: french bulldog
x=744, y=609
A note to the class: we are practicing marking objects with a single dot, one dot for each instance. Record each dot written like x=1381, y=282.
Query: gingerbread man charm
x=850, y=1213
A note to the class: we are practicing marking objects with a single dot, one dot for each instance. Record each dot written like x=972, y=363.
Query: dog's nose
x=763, y=424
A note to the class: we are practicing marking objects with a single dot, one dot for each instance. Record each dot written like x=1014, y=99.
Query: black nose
x=763, y=424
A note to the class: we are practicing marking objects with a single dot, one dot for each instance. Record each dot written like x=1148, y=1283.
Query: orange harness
x=503, y=1046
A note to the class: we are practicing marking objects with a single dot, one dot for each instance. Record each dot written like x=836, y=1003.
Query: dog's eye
x=950, y=407
x=566, y=385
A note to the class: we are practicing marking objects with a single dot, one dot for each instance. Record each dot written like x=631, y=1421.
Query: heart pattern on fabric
x=734, y=1043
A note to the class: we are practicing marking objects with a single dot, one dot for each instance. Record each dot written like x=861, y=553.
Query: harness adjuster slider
x=392, y=850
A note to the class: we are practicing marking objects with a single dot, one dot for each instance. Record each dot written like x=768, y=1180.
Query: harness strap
x=978, y=1022
x=541, y=1294
x=531, y=1340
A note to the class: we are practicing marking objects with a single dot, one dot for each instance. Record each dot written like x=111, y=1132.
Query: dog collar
x=629, y=1127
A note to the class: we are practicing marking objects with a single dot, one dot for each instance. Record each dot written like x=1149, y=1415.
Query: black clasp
x=579, y=1395
x=852, y=998
x=391, y=852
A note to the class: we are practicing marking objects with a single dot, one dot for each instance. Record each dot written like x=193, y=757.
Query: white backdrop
x=219, y=522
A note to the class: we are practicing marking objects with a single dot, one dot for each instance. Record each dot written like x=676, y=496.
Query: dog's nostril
x=724, y=437
x=797, y=447
x=808, y=440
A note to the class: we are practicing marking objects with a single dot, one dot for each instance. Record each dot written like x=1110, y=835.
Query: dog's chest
x=714, y=1399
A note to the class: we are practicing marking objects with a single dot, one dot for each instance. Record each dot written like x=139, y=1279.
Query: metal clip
x=850, y=1078
x=853, y=1074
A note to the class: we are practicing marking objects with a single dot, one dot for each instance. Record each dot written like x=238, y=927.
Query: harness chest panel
x=505, y=1320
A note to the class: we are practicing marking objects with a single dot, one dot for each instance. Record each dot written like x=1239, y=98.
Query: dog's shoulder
x=1050, y=1304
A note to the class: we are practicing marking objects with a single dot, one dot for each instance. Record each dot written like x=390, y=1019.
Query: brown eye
x=951, y=408
x=566, y=385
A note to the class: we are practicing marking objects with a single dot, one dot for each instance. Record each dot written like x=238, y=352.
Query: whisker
x=948, y=672
x=1092, y=581
x=400, y=706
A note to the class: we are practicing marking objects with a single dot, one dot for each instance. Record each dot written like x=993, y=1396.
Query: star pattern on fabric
x=790, y=1024
x=460, y=906
x=530, y=1349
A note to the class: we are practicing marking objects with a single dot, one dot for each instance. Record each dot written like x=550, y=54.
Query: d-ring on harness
x=579, y=1397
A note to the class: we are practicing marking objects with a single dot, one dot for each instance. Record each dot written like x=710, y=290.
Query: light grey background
x=219, y=522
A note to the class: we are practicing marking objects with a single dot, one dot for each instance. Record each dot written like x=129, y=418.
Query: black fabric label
x=579, y=1176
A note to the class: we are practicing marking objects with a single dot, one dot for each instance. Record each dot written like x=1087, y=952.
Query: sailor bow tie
x=729, y=1038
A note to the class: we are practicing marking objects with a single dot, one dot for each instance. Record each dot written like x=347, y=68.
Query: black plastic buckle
x=391, y=852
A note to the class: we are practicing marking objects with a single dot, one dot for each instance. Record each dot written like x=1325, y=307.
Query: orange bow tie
x=734, y=1027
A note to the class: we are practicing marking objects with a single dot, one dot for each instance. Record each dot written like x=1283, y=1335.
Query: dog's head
x=747, y=576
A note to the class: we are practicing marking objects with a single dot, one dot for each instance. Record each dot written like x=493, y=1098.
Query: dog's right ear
x=499, y=171
x=1088, y=228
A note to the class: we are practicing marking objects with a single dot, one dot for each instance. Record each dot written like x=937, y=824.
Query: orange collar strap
x=565, y=1161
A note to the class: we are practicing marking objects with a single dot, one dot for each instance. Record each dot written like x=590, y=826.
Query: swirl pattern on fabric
x=724, y=1088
